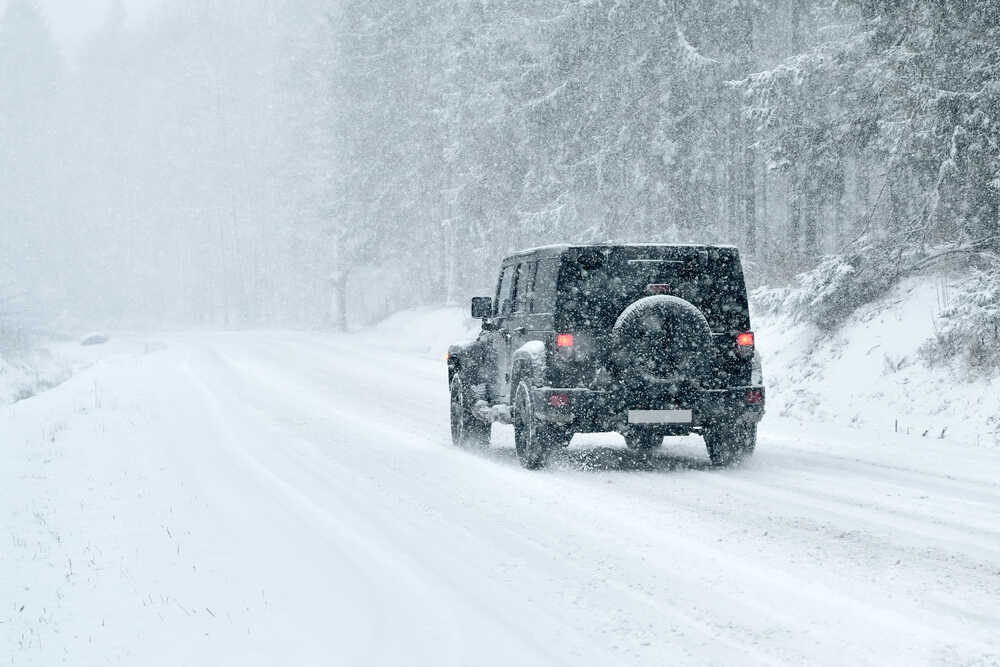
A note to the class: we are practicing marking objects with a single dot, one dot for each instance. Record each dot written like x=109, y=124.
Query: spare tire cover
x=662, y=339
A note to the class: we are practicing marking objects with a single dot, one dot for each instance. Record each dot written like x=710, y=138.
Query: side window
x=543, y=295
x=529, y=294
x=503, y=304
x=522, y=286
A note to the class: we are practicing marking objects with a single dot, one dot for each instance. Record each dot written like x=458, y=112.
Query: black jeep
x=646, y=340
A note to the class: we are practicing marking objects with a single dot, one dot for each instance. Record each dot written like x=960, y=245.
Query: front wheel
x=533, y=439
x=729, y=444
x=466, y=429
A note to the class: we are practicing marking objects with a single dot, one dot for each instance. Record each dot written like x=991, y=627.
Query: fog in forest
x=316, y=163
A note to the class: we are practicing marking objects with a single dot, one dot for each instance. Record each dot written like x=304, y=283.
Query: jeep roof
x=597, y=281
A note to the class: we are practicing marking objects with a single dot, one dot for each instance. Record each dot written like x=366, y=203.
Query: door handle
x=520, y=330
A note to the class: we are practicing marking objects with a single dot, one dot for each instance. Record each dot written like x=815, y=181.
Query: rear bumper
x=589, y=410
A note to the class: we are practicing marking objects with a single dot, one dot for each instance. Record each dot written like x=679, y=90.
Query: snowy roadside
x=426, y=332
x=870, y=373
x=28, y=371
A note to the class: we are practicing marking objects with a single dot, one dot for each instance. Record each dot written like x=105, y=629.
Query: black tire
x=662, y=339
x=643, y=440
x=533, y=439
x=466, y=429
x=729, y=444
x=560, y=438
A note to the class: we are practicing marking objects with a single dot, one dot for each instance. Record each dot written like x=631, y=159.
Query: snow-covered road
x=293, y=499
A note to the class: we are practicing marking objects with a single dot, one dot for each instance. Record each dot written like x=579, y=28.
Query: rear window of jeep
x=592, y=294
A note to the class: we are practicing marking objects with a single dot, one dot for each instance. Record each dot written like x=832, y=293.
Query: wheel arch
x=527, y=363
x=462, y=357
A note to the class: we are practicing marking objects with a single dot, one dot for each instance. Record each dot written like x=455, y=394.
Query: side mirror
x=482, y=307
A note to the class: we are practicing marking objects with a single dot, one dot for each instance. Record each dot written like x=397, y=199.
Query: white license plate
x=659, y=416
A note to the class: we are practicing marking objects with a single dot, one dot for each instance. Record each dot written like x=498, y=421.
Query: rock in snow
x=94, y=338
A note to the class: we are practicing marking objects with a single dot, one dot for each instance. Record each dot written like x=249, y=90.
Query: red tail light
x=564, y=340
x=745, y=339
x=754, y=396
x=558, y=400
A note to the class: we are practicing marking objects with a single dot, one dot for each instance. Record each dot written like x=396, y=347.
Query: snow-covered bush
x=13, y=334
x=839, y=284
x=773, y=300
x=830, y=292
x=968, y=328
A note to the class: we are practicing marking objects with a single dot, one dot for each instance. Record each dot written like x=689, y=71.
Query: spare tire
x=662, y=341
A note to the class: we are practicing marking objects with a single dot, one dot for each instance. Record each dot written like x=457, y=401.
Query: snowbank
x=27, y=372
x=871, y=373
x=424, y=331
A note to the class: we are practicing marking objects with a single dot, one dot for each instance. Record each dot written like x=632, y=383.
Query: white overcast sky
x=72, y=21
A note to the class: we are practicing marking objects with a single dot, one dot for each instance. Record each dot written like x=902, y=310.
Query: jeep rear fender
x=528, y=361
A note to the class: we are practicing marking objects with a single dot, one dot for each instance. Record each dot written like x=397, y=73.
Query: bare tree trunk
x=338, y=301
x=863, y=195
x=749, y=190
x=839, y=205
x=811, y=215
x=733, y=189
x=996, y=222
x=450, y=288
x=747, y=137
x=897, y=207
x=339, y=304
x=764, y=212
x=794, y=211
x=796, y=20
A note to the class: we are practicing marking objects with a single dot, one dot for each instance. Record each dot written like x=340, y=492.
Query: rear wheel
x=728, y=444
x=466, y=429
x=642, y=439
x=533, y=438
